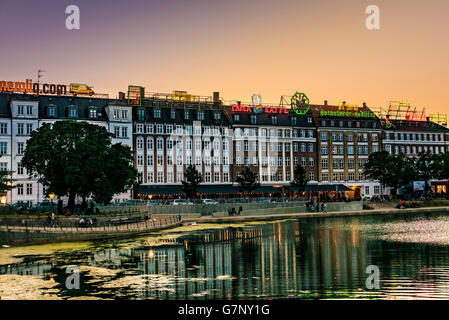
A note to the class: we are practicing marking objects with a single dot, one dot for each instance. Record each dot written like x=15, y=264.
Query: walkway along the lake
x=21, y=235
x=271, y=217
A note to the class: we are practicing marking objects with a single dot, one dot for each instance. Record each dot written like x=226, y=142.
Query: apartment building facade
x=346, y=136
x=271, y=141
x=20, y=115
x=171, y=134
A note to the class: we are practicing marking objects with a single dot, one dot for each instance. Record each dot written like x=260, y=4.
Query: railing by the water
x=86, y=228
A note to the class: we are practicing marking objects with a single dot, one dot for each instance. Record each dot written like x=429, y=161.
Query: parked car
x=182, y=202
x=237, y=200
x=209, y=201
x=20, y=207
x=263, y=200
x=45, y=206
x=153, y=203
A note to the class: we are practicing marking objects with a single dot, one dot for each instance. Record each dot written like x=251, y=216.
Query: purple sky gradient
x=236, y=47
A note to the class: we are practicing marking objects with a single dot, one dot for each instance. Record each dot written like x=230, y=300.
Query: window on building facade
x=274, y=120
x=150, y=160
x=323, y=136
x=139, y=143
x=156, y=113
x=20, y=127
x=141, y=114
x=20, y=148
x=324, y=164
x=150, y=143
x=73, y=112
x=92, y=113
x=124, y=132
x=29, y=189
x=253, y=119
x=19, y=189
x=200, y=115
x=323, y=149
x=3, y=147
x=51, y=111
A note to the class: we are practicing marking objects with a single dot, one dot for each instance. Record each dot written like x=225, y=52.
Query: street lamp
x=51, y=195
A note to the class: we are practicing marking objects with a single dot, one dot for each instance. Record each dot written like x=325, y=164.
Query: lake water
x=322, y=258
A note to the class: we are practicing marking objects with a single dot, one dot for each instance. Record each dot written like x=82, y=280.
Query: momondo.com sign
x=33, y=88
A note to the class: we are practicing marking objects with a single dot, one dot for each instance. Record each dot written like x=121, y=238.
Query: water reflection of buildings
x=314, y=257
x=269, y=260
x=27, y=268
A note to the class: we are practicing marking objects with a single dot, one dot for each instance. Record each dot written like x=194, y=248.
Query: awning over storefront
x=216, y=189
x=159, y=190
x=327, y=187
x=267, y=189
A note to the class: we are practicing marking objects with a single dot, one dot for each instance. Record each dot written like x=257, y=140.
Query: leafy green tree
x=5, y=181
x=391, y=170
x=299, y=177
x=77, y=159
x=426, y=166
x=117, y=171
x=192, y=182
x=247, y=181
x=441, y=166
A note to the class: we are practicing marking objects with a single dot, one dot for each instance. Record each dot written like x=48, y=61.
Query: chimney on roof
x=216, y=96
x=325, y=102
x=239, y=103
x=121, y=96
x=364, y=104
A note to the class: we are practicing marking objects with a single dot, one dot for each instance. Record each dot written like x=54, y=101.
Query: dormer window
x=173, y=114
x=217, y=115
x=236, y=117
x=186, y=115
x=73, y=112
x=51, y=111
x=200, y=115
x=92, y=113
x=274, y=120
x=253, y=119
x=157, y=113
x=141, y=114
x=293, y=120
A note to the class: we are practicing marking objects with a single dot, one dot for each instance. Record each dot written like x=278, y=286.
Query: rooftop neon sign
x=255, y=109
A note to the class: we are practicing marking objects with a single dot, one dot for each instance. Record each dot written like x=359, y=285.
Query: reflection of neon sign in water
x=300, y=103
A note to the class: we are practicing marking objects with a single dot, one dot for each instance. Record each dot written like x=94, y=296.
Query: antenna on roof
x=39, y=75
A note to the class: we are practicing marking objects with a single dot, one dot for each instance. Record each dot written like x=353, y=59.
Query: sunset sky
x=236, y=47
